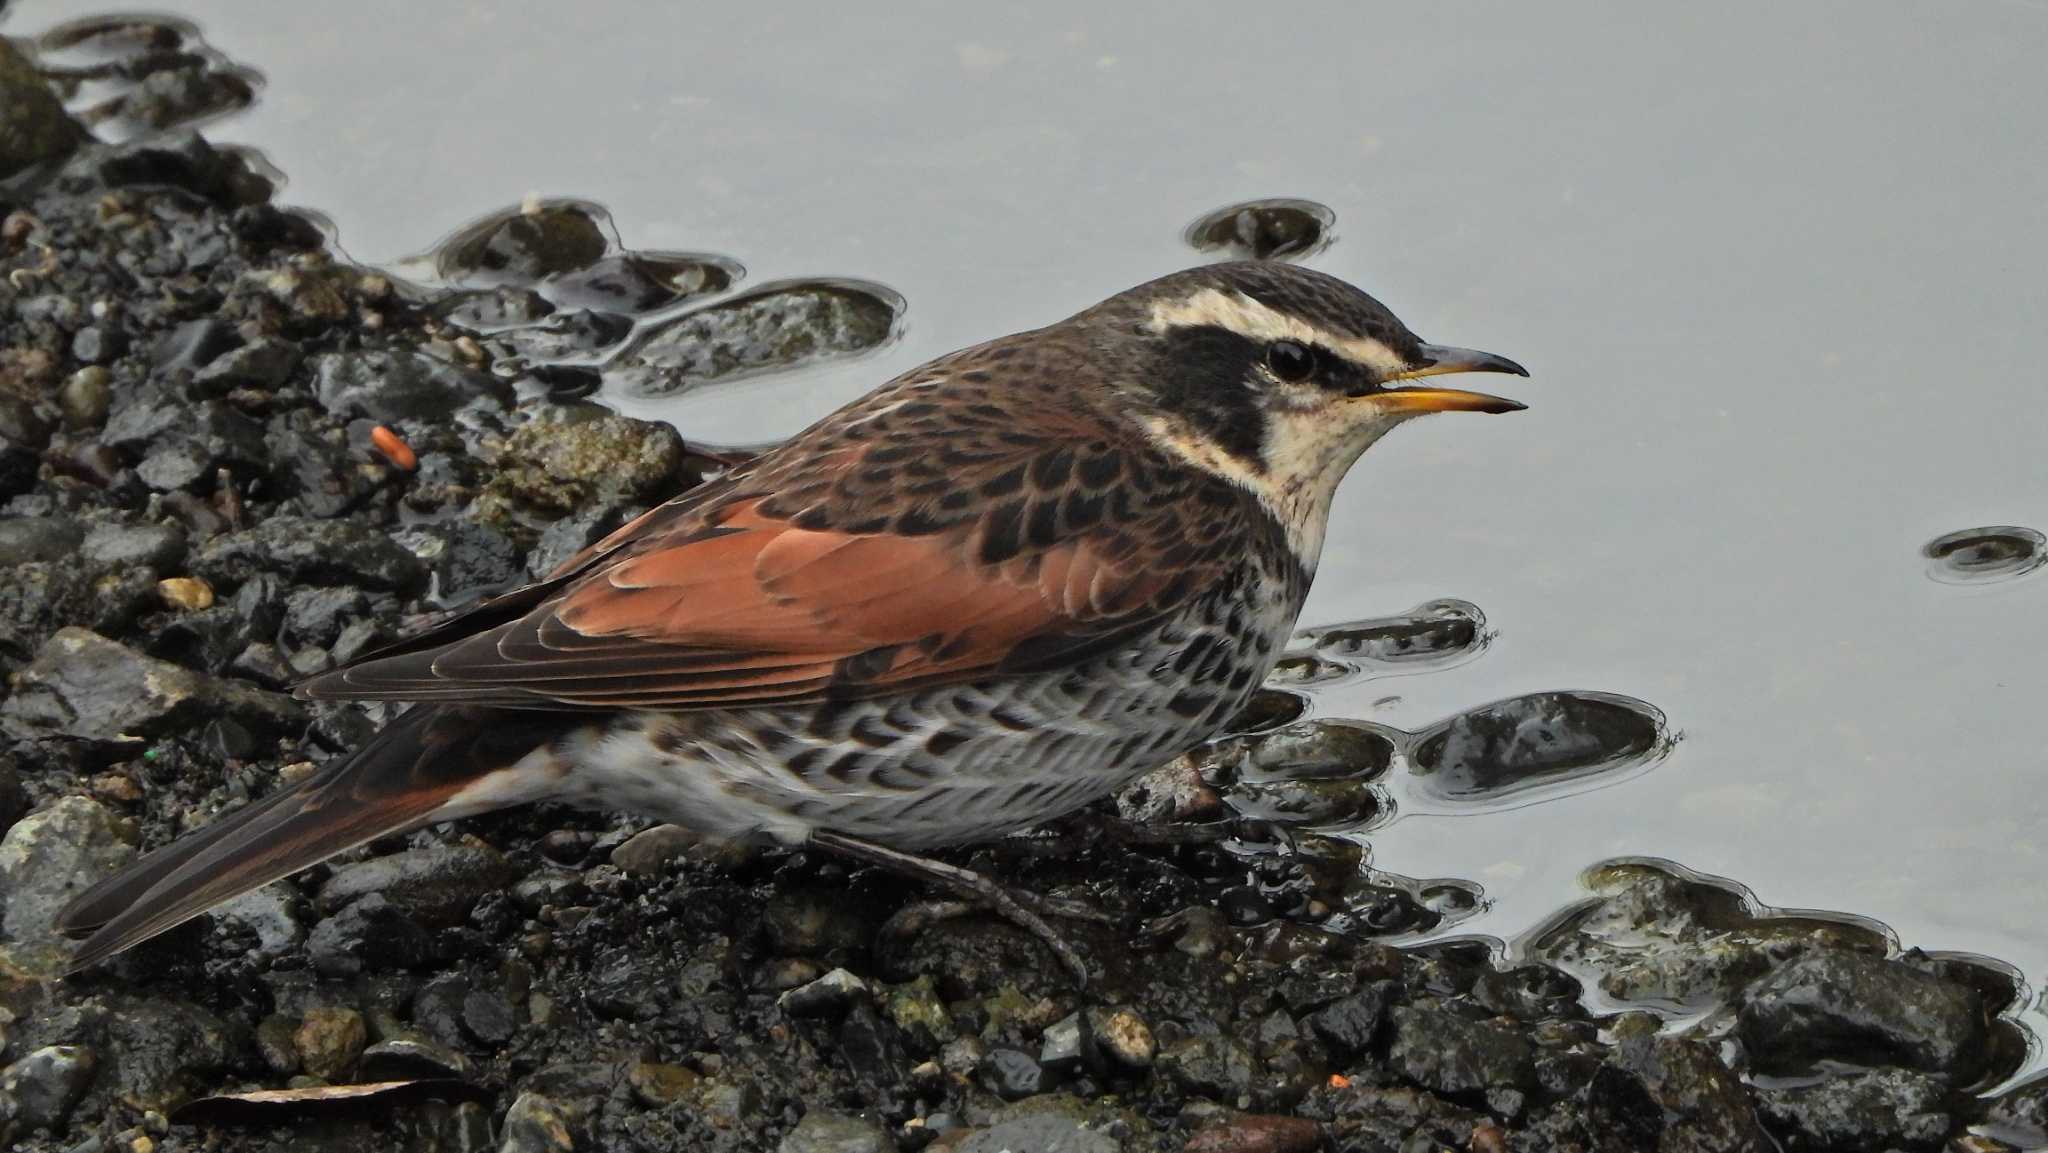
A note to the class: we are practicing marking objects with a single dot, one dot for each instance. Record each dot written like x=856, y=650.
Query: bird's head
x=1277, y=377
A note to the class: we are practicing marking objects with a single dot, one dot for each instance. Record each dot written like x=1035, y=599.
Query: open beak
x=1438, y=359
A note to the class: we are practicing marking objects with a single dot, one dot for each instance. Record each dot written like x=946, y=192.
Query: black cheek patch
x=1204, y=379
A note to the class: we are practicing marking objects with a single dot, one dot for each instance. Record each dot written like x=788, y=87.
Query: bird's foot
x=974, y=891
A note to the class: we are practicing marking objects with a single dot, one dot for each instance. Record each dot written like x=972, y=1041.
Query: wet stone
x=1973, y=555
x=585, y=455
x=1885, y=1109
x=368, y=936
x=1449, y=1054
x=47, y=1084
x=1013, y=1074
x=525, y=244
x=158, y=546
x=84, y=686
x=26, y=540
x=647, y=852
x=813, y=923
x=435, y=886
x=536, y=1124
x=403, y=1058
x=1427, y=633
x=578, y=335
x=1506, y=748
x=1350, y=1024
x=398, y=385
x=1050, y=1131
x=492, y=309
x=1274, y=229
x=823, y=1132
x=1123, y=1037
x=776, y=326
x=2021, y=1112
x=1852, y=1007
x=633, y=283
x=1321, y=750
x=1674, y=1096
x=310, y=551
x=329, y=1040
x=1219, y=1068
x=263, y=365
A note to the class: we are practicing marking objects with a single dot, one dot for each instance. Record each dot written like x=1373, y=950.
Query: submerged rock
x=1835, y=1005
x=525, y=244
x=632, y=283
x=1276, y=229
x=1972, y=555
x=1511, y=746
x=1437, y=631
x=776, y=326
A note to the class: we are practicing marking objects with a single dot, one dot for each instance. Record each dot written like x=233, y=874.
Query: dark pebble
x=1013, y=1074
x=1502, y=749
x=1885, y=1109
x=435, y=886
x=310, y=551
x=632, y=283
x=1350, y=1025
x=1449, y=1054
x=1674, y=1096
x=1997, y=553
x=488, y=1017
x=1837, y=1005
x=1428, y=633
x=371, y=935
x=522, y=245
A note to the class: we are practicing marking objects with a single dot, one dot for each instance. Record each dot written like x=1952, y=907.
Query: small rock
x=262, y=365
x=98, y=344
x=47, y=1083
x=85, y=397
x=434, y=886
x=277, y=1043
x=1012, y=1074
x=1673, y=1096
x=585, y=454
x=1883, y=1109
x=488, y=1017
x=648, y=851
x=1064, y=1045
x=776, y=326
x=526, y=244
x=49, y=857
x=1511, y=746
x=659, y=1086
x=329, y=1040
x=830, y=994
x=1446, y=1053
x=1219, y=1068
x=369, y=935
x=186, y=594
x=812, y=922
x=1048, y=1131
x=84, y=686
x=27, y=540
x=1840, y=1005
x=400, y=385
x=311, y=552
x=536, y=1124
x=1350, y=1024
x=1124, y=1037
x=632, y=283
x=157, y=546
x=822, y=1132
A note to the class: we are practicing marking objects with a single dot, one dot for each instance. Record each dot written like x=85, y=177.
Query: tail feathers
x=400, y=780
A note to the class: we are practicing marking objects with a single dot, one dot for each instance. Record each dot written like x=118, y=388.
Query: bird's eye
x=1290, y=361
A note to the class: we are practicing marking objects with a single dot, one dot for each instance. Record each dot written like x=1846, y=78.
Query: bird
x=989, y=592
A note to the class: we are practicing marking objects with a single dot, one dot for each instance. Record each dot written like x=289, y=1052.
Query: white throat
x=1305, y=459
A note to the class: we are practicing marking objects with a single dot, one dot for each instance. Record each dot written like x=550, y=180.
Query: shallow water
x=1776, y=272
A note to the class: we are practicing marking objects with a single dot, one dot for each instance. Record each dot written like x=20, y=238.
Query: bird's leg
x=1025, y=910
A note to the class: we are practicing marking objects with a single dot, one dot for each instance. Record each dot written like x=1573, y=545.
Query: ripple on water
x=1278, y=228
x=129, y=76
x=1541, y=743
x=1983, y=555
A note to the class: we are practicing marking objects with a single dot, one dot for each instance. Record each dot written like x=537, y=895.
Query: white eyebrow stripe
x=1236, y=312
